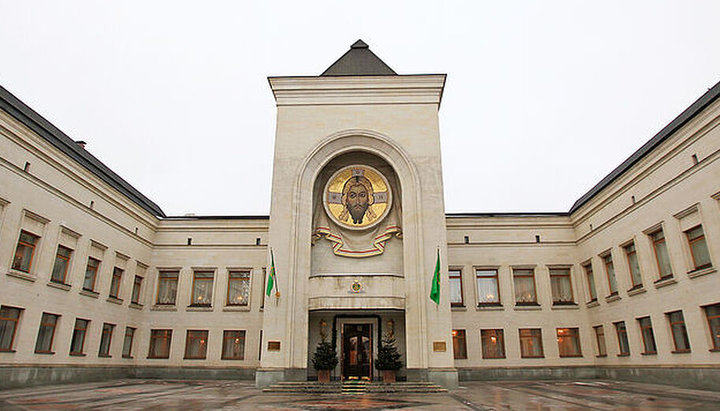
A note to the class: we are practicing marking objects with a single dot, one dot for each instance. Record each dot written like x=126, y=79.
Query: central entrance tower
x=357, y=222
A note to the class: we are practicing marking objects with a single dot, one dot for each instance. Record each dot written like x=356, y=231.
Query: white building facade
x=97, y=282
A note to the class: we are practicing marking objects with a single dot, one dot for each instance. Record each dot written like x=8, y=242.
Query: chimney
x=81, y=143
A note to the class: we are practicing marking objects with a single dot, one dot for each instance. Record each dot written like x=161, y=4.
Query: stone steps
x=354, y=387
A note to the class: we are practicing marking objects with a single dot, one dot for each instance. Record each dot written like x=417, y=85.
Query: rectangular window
x=137, y=288
x=590, y=281
x=9, y=318
x=239, y=288
x=456, y=289
x=459, y=345
x=77, y=343
x=569, y=342
x=91, y=274
x=106, y=339
x=712, y=312
x=25, y=251
x=610, y=271
x=115, y=283
x=196, y=344
x=128, y=342
x=698, y=248
x=524, y=282
x=160, y=343
x=62, y=263
x=167, y=287
x=661, y=254
x=561, y=285
x=493, y=344
x=46, y=333
x=648, y=336
x=202, y=288
x=531, y=343
x=633, y=265
x=233, y=345
x=487, y=287
x=623, y=344
x=600, y=340
x=679, y=332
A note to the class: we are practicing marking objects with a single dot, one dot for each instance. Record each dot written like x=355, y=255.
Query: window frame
x=94, y=269
x=497, y=333
x=212, y=284
x=690, y=243
x=715, y=342
x=53, y=326
x=622, y=336
x=243, y=336
x=67, y=259
x=607, y=259
x=160, y=334
x=672, y=325
x=590, y=280
x=167, y=276
x=132, y=331
x=459, y=336
x=452, y=277
x=496, y=278
x=600, y=340
x=203, y=337
x=628, y=253
x=655, y=242
x=116, y=283
x=531, y=337
x=567, y=275
x=647, y=328
x=515, y=271
x=84, y=337
x=16, y=323
x=569, y=332
x=137, y=290
x=32, y=247
x=107, y=332
x=247, y=278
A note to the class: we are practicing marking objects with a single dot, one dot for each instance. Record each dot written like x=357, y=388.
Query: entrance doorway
x=357, y=352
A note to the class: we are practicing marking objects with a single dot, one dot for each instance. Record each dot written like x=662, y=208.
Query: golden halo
x=357, y=197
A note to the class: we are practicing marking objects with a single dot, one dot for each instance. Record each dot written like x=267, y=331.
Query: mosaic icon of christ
x=357, y=197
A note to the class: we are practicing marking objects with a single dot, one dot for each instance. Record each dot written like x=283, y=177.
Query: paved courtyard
x=139, y=394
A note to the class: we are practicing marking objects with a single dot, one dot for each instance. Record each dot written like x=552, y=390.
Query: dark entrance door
x=357, y=351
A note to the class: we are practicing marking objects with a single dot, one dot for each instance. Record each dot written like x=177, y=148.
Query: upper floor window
x=62, y=263
x=238, y=288
x=91, y=271
x=202, y=288
x=610, y=272
x=561, y=285
x=456, y=289
x=590, y=281
x=661, y=254
x=633, y=265
x=698, y=248
x=25, y=251
x=167, y=287
x=116, y=281
x=487, y=287
x=524, y=282
x=137, y=288
x=9, y=318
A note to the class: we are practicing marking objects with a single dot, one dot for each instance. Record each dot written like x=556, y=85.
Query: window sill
x=638, y=289
x=701, y=272
x=114, y=300
x=104, y=356
x=538, y=356
x=564, y=307
x=458, y=308
x=490, y=307
x=665, y=281
x=236, y=308
x=89, y=293
x=45, y=352
x=493, y=358
x=4, y=350
x=232, y=359
x=612, y=297
x=571, y=356
x=648, y=353
x=592, y=303
x=714, y=350
x=527, y=304
x=199, y=308
x=681, y=352
x=128, y=357
x=601, y=356
x=136, y=306
x=21, y=275
x=77, y=354
x=59, y=286
x=163, y=308
x=527, y=308
x=158, y=358
x=194, y=358
x=624, y=354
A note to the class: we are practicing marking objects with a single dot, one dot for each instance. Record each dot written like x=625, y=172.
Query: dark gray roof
x=509, y=214
x=690, y=112
x=359, y=61
x=35, y=122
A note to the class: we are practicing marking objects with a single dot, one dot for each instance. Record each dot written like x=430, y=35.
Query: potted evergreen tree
x=324, y=360
x=388, y=359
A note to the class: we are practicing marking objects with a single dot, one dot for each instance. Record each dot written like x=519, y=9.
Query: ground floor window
x=160, y=343
x=46, y=333
x=679, y=332
x=600, y=340
x=568, y=340
x=9, y=317
x=77, y=344
x=493, y=344
x=459, y=345
x=531, y=343
x=196, y=344
x=128, y=342
x=712, y=312
x=233, y=345
x=623, y=344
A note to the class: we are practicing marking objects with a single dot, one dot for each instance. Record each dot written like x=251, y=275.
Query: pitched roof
x=359, y=61
x=35, y=122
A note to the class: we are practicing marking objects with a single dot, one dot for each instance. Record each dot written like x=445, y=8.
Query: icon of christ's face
x=357, y=202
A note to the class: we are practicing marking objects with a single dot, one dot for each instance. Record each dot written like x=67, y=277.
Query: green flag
x=271, y=278
x=435, y=290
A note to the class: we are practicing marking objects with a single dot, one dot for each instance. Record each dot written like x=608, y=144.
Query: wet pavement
x=137, y=394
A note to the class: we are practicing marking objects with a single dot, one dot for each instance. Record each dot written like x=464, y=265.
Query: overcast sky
x=542, y=99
